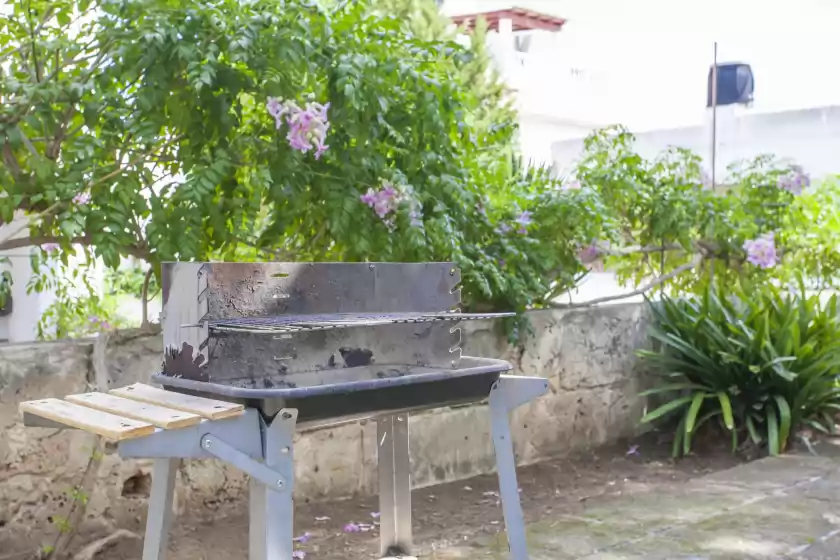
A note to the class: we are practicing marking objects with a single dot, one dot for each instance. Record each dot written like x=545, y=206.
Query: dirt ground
x=455, y=515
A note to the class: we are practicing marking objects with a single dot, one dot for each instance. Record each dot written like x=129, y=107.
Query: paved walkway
x=782, y=508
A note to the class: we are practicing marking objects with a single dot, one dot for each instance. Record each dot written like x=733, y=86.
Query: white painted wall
x=21, y=324
x=811, y=137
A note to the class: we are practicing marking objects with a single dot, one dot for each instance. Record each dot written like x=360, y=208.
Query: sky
x=652, y=56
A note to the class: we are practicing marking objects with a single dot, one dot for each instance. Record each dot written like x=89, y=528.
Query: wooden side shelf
x=130, y=412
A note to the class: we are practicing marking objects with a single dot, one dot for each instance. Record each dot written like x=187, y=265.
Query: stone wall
x=587, y=355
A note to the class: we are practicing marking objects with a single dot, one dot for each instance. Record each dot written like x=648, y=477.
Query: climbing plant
x=295, y=130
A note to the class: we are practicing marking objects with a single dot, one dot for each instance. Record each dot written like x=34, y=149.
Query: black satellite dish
x=735, y=84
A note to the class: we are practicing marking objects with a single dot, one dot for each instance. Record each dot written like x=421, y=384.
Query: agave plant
x=760, y=360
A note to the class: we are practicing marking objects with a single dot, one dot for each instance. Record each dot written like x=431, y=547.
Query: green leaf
x=772, y=431
x=665, y=409
x=691, y=415
x=726, y=409
x=785, y=421
x=754, y=435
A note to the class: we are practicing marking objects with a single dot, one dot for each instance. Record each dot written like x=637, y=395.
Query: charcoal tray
x=414, y=387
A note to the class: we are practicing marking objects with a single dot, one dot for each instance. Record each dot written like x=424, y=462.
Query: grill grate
x=304, y=323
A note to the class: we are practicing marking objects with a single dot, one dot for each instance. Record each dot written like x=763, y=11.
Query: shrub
x=760, y=360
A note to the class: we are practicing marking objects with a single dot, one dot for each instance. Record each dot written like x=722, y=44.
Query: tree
x=163, y=130
x=146, y=128
x=664, y=227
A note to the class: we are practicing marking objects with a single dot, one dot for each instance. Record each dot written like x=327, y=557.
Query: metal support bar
x=159, y=517
x=185, y=443
x=271, y=509
x=32, y=421
x=229, y=454
x=394, y=485
x=510, y=392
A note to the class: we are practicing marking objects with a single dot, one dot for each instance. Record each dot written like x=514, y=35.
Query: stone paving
x=783, y=508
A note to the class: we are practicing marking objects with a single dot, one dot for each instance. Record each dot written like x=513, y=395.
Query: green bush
x=760, y=360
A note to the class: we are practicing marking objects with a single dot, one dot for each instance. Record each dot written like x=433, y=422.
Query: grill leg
x=159, y=517
x=394, y=485
x=272, y=509
x=506, y=467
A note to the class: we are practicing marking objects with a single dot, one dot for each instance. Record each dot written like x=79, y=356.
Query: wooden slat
x=207, y=408
x=97, y=422
x=162, y=417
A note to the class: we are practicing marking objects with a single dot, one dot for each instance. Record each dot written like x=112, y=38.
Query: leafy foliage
x=758, y=360
x=139, y=128
x=78, y=309
x=663, y=220
x=142, y=129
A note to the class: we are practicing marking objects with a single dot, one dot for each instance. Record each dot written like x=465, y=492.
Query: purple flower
x=50, y=247
x=382, y=208
x=416, y=218
x=352, y=528
x=369, y=198
x=298, y=555
x=307, y=126
x=588, y=254
x=275, y=108
x=385, y=201
x=761, y=251
x=503, y=228
x=524, y=219
x=82, y=198
x=502, y=263
x=388, y=191
x=320, y=148
x=795, y=182
x=303, y=538
x=634, y=450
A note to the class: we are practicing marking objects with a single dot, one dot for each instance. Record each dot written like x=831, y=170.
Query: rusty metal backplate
x=197, y=295
x=269, y=289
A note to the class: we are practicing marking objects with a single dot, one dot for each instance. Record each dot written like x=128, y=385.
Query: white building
x=21, y=324
x=645, y=65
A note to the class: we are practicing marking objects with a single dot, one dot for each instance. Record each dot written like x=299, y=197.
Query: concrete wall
x=588, y=357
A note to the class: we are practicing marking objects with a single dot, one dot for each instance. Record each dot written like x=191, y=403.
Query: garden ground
x=625, y=502
x=461, y=518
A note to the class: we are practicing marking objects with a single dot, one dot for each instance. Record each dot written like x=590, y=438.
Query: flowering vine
x=523, y=220
x=762, y=251
x=307, y=126
x=795, y=181
x=386, y=201
x=82, y=198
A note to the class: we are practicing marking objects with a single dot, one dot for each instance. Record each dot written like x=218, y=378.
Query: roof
x=523, y=20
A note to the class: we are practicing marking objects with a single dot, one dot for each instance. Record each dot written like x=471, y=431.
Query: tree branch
x=696, y=261
x=144, y=297
x=10, y=243
x=134, y=250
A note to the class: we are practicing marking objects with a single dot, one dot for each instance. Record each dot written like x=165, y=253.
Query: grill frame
x=227, y=337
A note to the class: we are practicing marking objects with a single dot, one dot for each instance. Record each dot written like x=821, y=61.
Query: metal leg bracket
x=508, y=393
x=229, y=454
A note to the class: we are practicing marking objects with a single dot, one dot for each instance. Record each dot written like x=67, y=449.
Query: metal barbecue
x=324, y=343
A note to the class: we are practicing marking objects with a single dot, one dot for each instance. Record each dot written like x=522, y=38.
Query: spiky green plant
x=760, y=360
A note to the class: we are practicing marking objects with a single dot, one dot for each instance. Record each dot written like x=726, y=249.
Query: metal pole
x=714, y=145
x=714, y=116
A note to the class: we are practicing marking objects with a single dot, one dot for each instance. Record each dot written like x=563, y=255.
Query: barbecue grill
x=296, y=344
